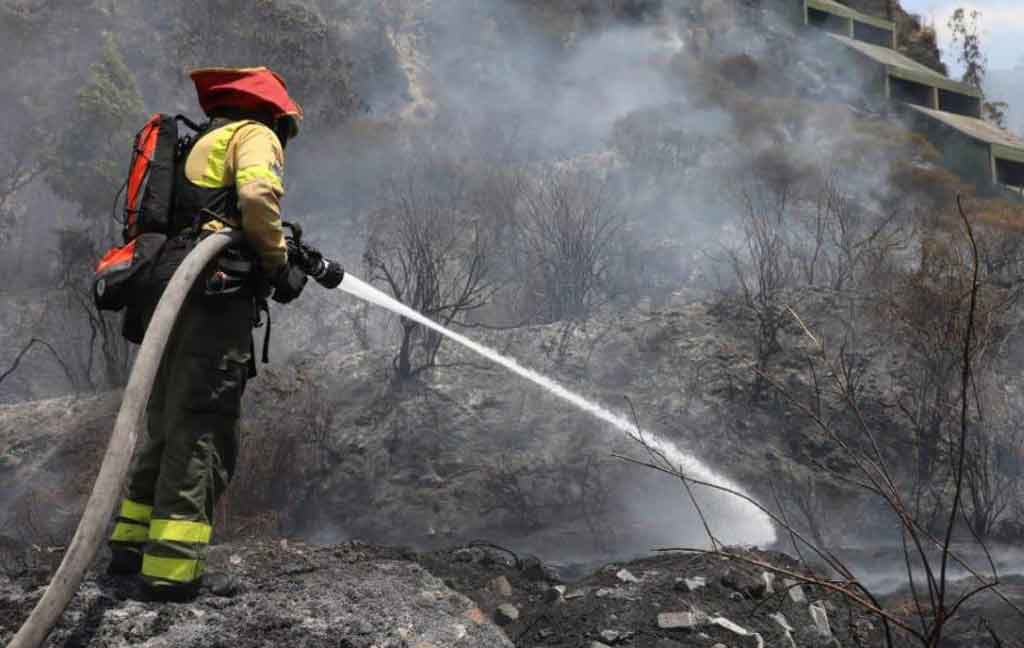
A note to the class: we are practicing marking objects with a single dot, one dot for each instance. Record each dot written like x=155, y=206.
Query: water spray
x=760, y=530
x=330, y=275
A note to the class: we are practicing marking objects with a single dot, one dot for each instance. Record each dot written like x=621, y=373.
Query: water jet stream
x=757, y=527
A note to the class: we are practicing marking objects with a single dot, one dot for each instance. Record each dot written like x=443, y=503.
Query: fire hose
x=106, y=492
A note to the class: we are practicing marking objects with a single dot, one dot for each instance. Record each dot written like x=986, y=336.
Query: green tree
x=87, y=167
x=967, y=45
x=91, y=156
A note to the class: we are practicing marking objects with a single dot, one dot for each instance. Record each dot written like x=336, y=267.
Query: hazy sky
x=1002, y=27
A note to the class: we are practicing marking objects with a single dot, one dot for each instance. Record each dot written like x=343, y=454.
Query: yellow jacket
x=246, y=155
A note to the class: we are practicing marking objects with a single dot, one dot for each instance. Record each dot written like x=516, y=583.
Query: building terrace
x=947, y=111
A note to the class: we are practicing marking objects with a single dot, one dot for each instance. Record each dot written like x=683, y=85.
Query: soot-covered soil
x=356, y=595
x=348, y=596
x=362, y=596
x=665, y=601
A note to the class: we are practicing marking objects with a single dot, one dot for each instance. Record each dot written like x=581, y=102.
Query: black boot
x=166, y=593
x=124, y=562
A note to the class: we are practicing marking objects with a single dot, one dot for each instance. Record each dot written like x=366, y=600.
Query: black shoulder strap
x=186, y=142
x=191, y=124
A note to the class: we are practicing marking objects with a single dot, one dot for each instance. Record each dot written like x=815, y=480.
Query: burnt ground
x=356, y=595
x=347, y=596
x=625, y=604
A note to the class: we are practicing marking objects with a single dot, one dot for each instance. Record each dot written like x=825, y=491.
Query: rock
x=735, y=596
x=224, y=584
x=744, y=583
x=501, y=586
x=695, y=583
x=576, y=593
x=554, y=594
x=769, y=582
x=611, y=636
x=819, y=615
x=506, y=614
x=626, y=577
x=719, y=645
x=796, y=592
x=674, y=620
x=467, y=555
x=862, y=631
x=536, y=570
x=598, y=644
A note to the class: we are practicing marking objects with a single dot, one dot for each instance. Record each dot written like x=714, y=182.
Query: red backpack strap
x=142, y=155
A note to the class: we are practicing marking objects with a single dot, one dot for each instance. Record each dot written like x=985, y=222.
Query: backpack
x=146, y=212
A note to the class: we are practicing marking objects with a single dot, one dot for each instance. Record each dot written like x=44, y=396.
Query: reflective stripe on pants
x=176, y=551
x=132, y=527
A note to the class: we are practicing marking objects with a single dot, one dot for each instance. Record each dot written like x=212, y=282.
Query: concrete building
x=948, y=112
x=974, y=149
x=903, y=79
x=844, y=21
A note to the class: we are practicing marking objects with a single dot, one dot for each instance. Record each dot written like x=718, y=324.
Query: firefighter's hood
x=257, y=89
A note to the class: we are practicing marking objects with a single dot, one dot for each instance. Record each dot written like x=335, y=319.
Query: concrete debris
x=769, y=582
x=598, y=644
x=626, y=577
x=506, y=614
x=614, y=593
x=576, y=593
x=501, y=586
x=796, y=592
x=734, y=628
x=819, y=615
x=695, y=583
x=783, y=622
x=673, y=620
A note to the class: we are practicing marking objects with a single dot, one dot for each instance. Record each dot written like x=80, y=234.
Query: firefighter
x=231, y=176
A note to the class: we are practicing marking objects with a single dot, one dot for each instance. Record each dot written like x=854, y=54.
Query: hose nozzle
x=310, y=260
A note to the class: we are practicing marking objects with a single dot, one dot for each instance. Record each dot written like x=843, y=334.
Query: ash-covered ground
x=356, y=595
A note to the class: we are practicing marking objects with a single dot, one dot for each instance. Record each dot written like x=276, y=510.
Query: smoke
x=667, y=109
x=674, y=111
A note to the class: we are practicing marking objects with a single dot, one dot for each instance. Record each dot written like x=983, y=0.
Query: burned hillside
x=698, y=215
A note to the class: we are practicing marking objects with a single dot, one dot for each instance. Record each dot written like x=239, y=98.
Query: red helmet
x=256, y=89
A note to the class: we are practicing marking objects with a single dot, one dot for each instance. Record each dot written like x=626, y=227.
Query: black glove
x=288, y=283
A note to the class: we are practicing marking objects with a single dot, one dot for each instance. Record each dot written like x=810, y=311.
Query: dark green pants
x=188, y=455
